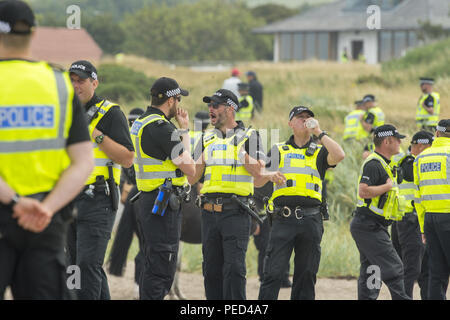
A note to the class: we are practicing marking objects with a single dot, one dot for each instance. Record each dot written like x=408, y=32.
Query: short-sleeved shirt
x=78, y=131
x=429, y=101
x=113, y=124
x=373, y=174
x=273, y=164
x=158, y=138
x=407, y=167
x=369, y=118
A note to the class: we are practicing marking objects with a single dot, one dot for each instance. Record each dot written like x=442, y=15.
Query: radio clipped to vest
x=162, y=199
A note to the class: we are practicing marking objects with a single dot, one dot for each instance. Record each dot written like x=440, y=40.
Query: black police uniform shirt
x=256, y=152
x=369, y=118
x=373, y=175
x=158, y=139
x=429, y=101
x=113, y=124
x=322, y=166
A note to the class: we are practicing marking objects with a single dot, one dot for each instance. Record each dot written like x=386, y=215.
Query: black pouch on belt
x=114, y=192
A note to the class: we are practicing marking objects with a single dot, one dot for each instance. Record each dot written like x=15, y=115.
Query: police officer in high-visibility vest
x=406, y=233
x=374, y=116
x=163, y=164
x=353, y=128
x=295, y=205
x=428, y=107
x=246, y=105
x=230, y=157
x=379, y=203
x=432, y=202
x=97, y=204
x=45, y=157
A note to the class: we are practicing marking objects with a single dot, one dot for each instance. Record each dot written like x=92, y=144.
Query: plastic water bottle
x=162, y=199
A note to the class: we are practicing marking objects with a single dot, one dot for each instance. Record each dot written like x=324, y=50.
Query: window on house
x=298, y=46
x=400, y=43
x=310, y=45
x=385, y=45
x=285, y=46
x=323, y=47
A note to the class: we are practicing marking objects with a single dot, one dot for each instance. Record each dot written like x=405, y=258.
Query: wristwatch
x=14, y=201
x=99, y=139
x=324, y=133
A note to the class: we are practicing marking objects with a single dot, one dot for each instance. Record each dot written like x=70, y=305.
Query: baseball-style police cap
x=13, y=11
x=422, y=137
x=167, y=88
x=424, y=80
x=369, y=97
x=297, y=110
x=84, y=69
x=388, y=130
x=223, y=96
x=443, y=125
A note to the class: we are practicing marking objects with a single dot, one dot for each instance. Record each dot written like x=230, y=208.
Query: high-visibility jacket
x=195, y=137
x=224, y=168
x=101, y=159
x=406, y=188
x=353, y=127
x=423, y=118
x=35, y=118
x=394, y=207
x=432, y=179
x=379, y=116
x=245, y=113
x=151, y=172
x=301, y=172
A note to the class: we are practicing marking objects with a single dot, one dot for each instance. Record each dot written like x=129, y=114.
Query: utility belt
x=298, y=212
x=220, y=204
x=108, y=186
x=373, y=216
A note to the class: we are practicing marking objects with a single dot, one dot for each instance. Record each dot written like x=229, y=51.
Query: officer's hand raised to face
x=182, y=118
x=313, y=126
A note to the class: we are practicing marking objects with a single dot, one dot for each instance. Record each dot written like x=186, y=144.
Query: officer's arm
x=427, y=107
x=369, y=192
x=257, y=168
x=199, y=169
x=115, y=151
x=185, y=163
x=73, y=178
x=335, y=152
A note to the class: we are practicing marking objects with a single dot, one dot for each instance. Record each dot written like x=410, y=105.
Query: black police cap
x=167, y=87
x=12, y=12
x=422, y=137
x=388, y=130
x=84, y=69
x=223, y=96
x=297, y=110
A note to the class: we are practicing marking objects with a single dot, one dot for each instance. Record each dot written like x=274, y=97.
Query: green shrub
x=122, y=83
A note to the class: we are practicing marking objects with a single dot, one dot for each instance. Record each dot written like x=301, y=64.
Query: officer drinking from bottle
x=230, y=156
x=97, y=204
x=379, y=203
x=163, y=164
x=295, y=205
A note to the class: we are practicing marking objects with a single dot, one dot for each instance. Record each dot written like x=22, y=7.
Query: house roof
x=333, y=17
x=63, y=45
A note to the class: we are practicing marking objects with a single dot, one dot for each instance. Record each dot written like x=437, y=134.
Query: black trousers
x=87, y=241
x=376, y=253
x=303, y=236
x=160, y=237
x=261, y=243
x=33, y=264
x=437, y=234
x=225, y=237
x=407, y=240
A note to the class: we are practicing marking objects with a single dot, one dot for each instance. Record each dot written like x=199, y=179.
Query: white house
x=378, y=30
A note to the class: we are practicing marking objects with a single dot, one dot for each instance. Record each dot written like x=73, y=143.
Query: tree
x=273, y=12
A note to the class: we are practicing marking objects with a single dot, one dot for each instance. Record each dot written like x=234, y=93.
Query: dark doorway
x=357, y=49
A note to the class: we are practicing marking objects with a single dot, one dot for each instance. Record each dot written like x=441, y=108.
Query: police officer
x=407, y=232
x=374, y=116
x=246, y=105
x=45, y=157
x=353, y=128
x=295, y=203
x=163, y=159
x=429, y=106
x=432, y=202
x=377, y=207
x=97, y=204
x=229, y=158
x=256, y=90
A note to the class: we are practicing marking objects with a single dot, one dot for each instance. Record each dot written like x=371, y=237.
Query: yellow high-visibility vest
x=244, y=114
x=353, y=127
x=423, y=118
x=394, y=207
x=379, y=116
x=406, y=188
x=224, y=169
x=151, y=172
x=301, y=170
x=101, y=159
x=35, y=119
x=432, y=179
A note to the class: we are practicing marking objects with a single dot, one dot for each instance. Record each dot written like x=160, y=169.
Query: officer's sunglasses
x=178, y=98
x=215, y=105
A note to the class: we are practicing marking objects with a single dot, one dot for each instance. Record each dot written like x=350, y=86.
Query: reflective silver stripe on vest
x=309, y=186
x=156, y=175
x=377, y=210
x=104, y=162
x=430, y=197
x=223, y=162
x=409, y=185
x=44, y=144
x=409, y=197
x=296, y=170
x=232, y=178
x=434, y=182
